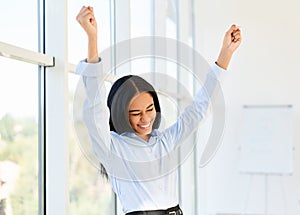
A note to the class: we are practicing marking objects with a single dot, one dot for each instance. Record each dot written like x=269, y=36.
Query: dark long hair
x=119, y=97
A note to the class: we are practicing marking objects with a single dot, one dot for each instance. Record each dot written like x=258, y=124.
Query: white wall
x=265, y=70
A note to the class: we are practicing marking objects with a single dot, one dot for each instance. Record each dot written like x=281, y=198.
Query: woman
x=124, y=130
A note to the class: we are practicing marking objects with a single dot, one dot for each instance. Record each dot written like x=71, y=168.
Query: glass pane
x=171, y=19
x=18, y=138
x=171, y=32
x=18, y=23
x=90, y=193
x=140, y=20
x=140, y=25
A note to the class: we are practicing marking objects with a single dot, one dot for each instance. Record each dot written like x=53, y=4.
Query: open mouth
x=145, y=126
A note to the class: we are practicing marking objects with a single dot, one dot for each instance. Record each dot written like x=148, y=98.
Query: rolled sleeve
x=89, y=69
x=219, y=72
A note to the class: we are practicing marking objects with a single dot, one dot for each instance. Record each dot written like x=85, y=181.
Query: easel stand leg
x=266, y=194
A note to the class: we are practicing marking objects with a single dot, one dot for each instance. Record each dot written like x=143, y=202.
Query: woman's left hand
x=231, y=42
x=232, y=38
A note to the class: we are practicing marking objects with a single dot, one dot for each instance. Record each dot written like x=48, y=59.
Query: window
x=17, y=26
x=18, y=137
x=19, y=120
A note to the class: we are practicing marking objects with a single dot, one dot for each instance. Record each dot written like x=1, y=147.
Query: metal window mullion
x=193, y=32
x=41, y=112
x=178, y=78
x=152, y=33
x=57, y=154
x=112, y=7
x=41, y=141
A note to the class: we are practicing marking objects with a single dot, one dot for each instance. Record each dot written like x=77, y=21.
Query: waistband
x=170, y=211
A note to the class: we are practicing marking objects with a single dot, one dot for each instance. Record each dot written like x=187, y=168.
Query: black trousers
x=170, y=211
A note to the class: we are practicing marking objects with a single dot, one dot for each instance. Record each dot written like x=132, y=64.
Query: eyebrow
x=139, y=110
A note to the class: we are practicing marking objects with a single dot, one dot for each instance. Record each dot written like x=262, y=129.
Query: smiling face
x=142, y=114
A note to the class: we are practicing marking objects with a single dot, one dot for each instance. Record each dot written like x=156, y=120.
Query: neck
x=144, y=137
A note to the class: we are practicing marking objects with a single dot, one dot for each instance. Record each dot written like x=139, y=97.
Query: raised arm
x=88, y=22
x=95, y=110
x=195, y=112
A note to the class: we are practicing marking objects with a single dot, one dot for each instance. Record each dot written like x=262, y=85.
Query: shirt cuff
x=89, y=69
x=219, y=72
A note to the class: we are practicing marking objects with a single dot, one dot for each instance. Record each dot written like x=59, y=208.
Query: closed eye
x=149, y=110
x=135, y=114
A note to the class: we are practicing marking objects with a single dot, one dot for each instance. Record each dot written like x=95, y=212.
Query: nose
x=144, y=118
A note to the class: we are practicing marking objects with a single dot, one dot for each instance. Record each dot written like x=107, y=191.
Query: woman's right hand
x=87, y=21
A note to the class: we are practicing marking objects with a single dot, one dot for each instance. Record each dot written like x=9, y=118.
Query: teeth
x=145, y=126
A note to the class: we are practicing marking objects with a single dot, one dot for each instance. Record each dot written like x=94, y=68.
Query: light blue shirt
x=142, y=174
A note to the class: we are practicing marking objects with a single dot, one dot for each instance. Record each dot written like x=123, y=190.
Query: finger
x=237, y=38
x=85, y=10
x=90, y=8
x=81, y=12
x=231, y=29
x=234, y=27
x=236, y=35
x=236, y=32
x=84, y=15
x=82, y=8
